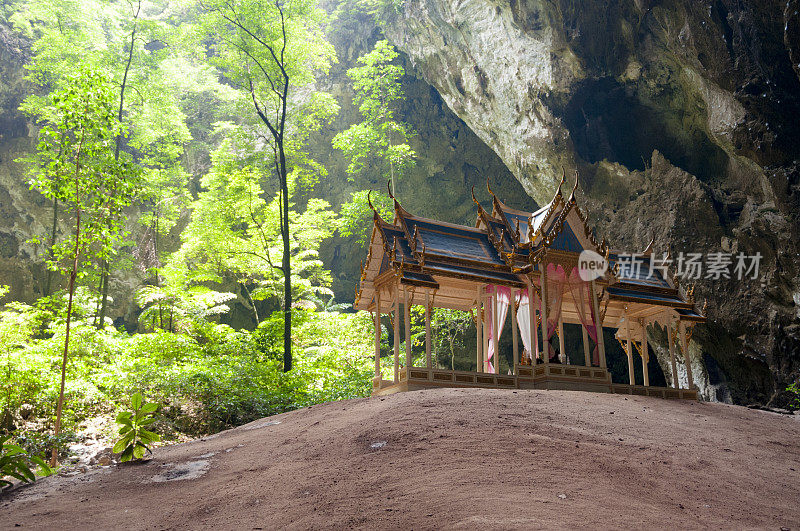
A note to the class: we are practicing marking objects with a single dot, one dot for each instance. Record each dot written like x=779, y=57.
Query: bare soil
x=451, y=458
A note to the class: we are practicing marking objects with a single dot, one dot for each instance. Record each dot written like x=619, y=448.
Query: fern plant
x=136, y=439
x=14, y=463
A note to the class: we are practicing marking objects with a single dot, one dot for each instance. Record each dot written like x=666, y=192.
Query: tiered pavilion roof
x=421, y=261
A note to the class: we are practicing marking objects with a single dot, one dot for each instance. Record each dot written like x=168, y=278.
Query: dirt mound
x=452, y=458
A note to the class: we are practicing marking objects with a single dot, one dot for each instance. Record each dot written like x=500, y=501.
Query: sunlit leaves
x=380, y=142
x=135, y=439
x=75, y=164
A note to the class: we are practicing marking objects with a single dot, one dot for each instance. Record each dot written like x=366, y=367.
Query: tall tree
x=381, y=139
x=75, y=164
x=129, y=42
x=267, y=49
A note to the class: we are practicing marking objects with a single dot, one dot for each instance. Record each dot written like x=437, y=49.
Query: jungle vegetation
x=173, y=149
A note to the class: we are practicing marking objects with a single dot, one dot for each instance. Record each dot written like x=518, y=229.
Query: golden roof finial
x=572, y=195
x=371, y=206
x=563, y=180
x=649, y=249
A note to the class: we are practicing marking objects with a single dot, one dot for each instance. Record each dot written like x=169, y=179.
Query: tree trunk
x=287, y=266
x=72, y=277
x=101, y=319
x=117, y=143
x=97, y=306
x=49, y=278
x=252, y=302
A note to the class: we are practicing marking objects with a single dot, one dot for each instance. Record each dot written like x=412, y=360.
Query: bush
x=213, y=379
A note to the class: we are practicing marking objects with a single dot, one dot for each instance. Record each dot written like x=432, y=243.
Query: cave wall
x=682, y=118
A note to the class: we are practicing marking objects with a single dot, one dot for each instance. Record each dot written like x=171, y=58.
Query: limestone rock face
x=682, y=118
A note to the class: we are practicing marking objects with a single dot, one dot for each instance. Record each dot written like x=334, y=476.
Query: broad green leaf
x=121, y=444
x=136, y=401
x=138, y=451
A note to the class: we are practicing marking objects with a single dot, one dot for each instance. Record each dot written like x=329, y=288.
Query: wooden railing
x=546, y=375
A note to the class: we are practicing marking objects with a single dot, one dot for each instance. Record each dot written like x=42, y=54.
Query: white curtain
x=524, y=322
x=503, y=300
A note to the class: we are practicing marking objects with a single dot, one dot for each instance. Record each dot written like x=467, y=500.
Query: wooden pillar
x=685, y=347
x=479, y=330
x=396, y=305
x=428, y=329
x=645, y=354
x=631, y=375
x=562, y=351
x=377, y=333
x=514, y=333
x=407, y=318
x=543, y=282
x=495, y=332
x=671, y=341
x=487, y=304
x=532, y=321
x=587, y=357
x=599, y=327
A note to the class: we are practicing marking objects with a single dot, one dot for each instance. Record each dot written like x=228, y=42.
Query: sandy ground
x=451, y=458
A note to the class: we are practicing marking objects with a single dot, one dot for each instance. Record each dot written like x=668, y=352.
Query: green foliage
x=16, y=463
x=236, y=232
x=380, y=140
x=356, y=215
x=208, y=376
x=135, y=438
x=449, y=329
x=795, y=389
x=176, y=304
x=75, y=165
x=117, y=83
x=38, y=443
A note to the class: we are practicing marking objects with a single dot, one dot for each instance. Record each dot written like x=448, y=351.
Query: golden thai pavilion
x=508, y=259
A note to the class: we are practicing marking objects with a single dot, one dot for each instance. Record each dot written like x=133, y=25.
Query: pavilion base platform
x=545, y=376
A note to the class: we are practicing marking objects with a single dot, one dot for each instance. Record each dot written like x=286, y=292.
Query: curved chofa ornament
x=389, y=187
x=563, y=180
x=649, y=249
x=375, y=215
x=369, y=202
x=489, y=188
x=572, y=195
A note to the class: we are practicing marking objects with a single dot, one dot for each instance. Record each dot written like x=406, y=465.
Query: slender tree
x=75, y=164
x=267, y=48
x=129, y=42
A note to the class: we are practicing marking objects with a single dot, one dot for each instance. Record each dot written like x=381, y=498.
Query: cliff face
x=682, y=118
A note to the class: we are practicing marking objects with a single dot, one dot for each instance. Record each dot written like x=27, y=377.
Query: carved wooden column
x=671, y=340
x=514, y=332
x=645, y=354
x=377, y=333
x=428, y=329
x=396, y=300
x=407, y=319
